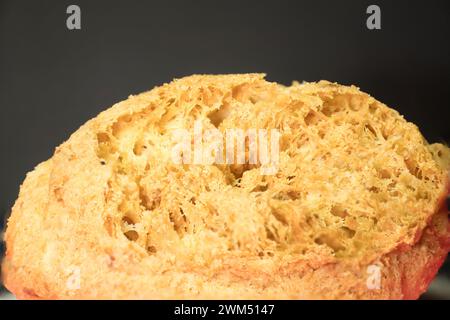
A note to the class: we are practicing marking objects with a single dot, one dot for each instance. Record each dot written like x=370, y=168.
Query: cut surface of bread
x=111, y=215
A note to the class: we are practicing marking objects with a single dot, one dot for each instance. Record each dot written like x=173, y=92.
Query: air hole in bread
x=330, y=107
x=103, y=137
x=150, y=199
x=413, y=168
x=151, y=249
x=260, y=188
x=331, y=241
x=384, y=173
x=312, y=118
x=218, y=116
x=288, y=195
x=131, y=235
x=128, y=220
x=339, y=211
x=178, y=220
x=373, y=107
x=349, y=233
x=371, y=130
x=121, y=124
x=139, y=147
x=241, y=92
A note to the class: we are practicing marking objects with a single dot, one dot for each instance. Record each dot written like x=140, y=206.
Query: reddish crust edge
x=413, y=290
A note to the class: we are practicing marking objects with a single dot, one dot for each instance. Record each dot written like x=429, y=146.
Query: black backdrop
x=52, y=80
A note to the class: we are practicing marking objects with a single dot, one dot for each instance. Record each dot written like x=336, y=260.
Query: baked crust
x=68, y=222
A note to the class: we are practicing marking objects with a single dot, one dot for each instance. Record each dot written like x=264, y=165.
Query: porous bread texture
x=356, y=185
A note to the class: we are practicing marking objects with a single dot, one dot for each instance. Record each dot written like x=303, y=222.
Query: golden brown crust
x=69, y=219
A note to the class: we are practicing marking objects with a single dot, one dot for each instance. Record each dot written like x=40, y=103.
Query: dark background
x=52, y=79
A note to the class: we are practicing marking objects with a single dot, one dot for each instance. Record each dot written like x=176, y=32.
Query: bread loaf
x=354, y=210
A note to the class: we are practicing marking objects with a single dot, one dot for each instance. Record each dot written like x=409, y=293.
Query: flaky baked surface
x=110, y=215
